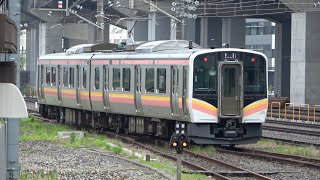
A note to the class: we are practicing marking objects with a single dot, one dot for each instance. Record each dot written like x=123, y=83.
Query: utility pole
x=100, y=13
x=130, y=24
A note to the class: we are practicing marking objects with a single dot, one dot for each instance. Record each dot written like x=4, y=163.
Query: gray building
x=260, y=36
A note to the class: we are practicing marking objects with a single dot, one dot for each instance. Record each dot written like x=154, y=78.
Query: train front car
x=229, y=96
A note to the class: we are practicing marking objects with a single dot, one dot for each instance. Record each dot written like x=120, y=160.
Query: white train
x=215, y=96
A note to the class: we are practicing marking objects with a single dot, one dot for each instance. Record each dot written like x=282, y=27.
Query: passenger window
x=149, y=80
x=65, y=77
x=97, y=78
x=53, y=76
x=161, y=80
x=71, y=79
x=48, y=74
x=116, y=79
x=84, y=78
x=126, y=79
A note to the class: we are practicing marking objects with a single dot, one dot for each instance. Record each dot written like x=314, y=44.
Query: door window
x=116, y=79
x=229, y=82
x=149, y=80
x=161, y=80
x=97, y=78
x=126, y=79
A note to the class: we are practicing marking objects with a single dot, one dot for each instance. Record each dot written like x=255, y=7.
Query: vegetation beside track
x=32, y=129
x=280, y=147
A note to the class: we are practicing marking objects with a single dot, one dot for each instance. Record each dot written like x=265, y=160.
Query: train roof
x=171, y=49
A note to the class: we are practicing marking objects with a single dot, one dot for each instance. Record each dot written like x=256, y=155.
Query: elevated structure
x=217, y=22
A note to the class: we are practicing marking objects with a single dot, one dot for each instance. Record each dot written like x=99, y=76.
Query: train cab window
x=53, y=76
x=97, y=78
x=84, y=78
x=161, y=80
x=48, y=74
x=254, y=75
x=71, y=77
x=149, y=80
x=205, y=73
x=65, y=77
x=126, y=79
x=116, y=79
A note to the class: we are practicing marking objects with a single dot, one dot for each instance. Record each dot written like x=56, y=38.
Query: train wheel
x=118, y=126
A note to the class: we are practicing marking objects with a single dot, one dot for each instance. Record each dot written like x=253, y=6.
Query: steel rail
x=215, y=161
x=294, y=142
x=291, y=123
x=288, y=130
x=309, y=162
x=186, y=163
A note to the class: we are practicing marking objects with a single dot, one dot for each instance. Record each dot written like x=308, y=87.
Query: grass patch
x=279, y=147
x=206, y=149
x=168, y=168
x=34, y=129
x=41, y=175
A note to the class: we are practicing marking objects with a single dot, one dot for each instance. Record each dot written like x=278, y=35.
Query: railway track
x=294, y=123
x=288, y=130
x=304, y=161
x=231, y=170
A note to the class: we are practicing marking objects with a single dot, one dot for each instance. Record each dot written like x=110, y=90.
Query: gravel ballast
x=75, y=163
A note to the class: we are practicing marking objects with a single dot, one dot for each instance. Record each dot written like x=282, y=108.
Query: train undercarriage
x=228, y=132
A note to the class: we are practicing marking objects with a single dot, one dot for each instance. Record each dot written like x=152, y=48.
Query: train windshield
x=205, y=74
x=254, y=74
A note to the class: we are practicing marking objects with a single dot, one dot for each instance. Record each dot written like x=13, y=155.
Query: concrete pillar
x=204, y=32
x=162, y=28
x=32, y=53
x=282, y=59
x=102, y=34
x=140, y=31
x=152, y=24
x=130, y=25
x=191, y=29
x=50, y=38
x=305, y=58
x=173, y=29
x=42, y=39
x=234, y=31
x=91, y=34
x=211, y=31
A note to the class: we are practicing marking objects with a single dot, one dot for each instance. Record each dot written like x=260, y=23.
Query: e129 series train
x=214, y=96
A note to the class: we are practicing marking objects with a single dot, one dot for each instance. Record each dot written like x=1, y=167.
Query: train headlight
x=184, y=144
x=174, y=144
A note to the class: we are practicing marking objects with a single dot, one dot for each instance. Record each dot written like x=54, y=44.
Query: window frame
x=165, y=80
x=95, y=78
x=123, y=80
x=145, y=80
x=113, y=78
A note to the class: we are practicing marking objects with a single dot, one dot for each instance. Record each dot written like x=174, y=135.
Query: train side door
x=230, y=89
x=184, y=91
x=174, y=95
x=39, y=82
x=78, y=85
x=42, y=74
x=106, y=89
x=137, y=91
x=59, y=83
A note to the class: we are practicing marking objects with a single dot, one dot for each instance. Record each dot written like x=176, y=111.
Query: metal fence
x=3, y=151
